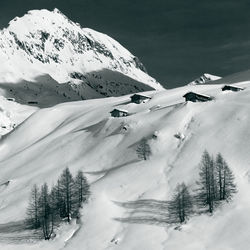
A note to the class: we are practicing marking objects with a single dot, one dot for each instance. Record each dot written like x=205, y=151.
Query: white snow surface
x=83, y=135
x=47, y=43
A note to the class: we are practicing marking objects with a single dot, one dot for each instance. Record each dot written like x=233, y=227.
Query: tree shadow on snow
x=150, y=212
x=18, y=233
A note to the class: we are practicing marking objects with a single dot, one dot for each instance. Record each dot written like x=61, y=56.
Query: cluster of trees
x=48, y=207
x=216, y=184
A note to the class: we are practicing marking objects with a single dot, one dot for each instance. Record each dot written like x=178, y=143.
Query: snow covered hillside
x=47, y=44
x=12, y=114
x=127, y=208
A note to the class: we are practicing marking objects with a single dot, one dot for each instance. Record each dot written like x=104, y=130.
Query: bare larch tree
x=66, y=183
x=46, y=213
x=143, y=149
x=225, y=179
x=33, y=209
x=181, y=206
x=207, y=192
x=82, y=188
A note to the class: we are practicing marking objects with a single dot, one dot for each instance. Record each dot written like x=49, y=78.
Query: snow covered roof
x=120, y=110
x=191, y=92
x=142, y=95
x=232, y=86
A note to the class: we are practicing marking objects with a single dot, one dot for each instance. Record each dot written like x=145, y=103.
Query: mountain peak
x=55, y=10
x=205, y=78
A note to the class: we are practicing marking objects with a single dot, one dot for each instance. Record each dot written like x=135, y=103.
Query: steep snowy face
x=45, y=42
x=205, y=78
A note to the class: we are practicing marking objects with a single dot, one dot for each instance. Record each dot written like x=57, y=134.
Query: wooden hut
x=119, y=113
x=231, y=88
x=195, y=97
x=32, y=102
x=11, y=99
x=139, y=98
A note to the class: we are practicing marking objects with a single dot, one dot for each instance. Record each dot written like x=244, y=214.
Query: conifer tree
x=33, y=209
x=180, y=207
x=207, y=192
x=219, y=173
x=225, y=178
x=82, y=188
x=229, y=186
x=58, y=202
x=46, y=214
x=55, y=203
x=143, y=149
x=66, y=184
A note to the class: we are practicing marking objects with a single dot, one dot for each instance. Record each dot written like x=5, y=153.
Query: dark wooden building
x=119, y=113
x=11, y=99
x=32, y=102
x=139, y=98
x=232, y=88
x=195, y=97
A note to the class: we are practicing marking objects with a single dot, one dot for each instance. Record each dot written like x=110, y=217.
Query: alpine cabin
x=232, y=88
x=119, y=113
x=32, y=102
x=11, y=99
x=139, y=98
x=195, y=97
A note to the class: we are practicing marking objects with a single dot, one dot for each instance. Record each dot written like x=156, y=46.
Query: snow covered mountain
x=47, y=69
x=205, y=78
x=47, y=44
x=128, y=194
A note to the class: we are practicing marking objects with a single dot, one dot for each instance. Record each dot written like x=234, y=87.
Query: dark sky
x=177, y=40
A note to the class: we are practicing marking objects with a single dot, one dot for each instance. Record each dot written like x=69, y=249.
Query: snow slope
x=127, y=208
x=93, y=64
x=12, y=114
